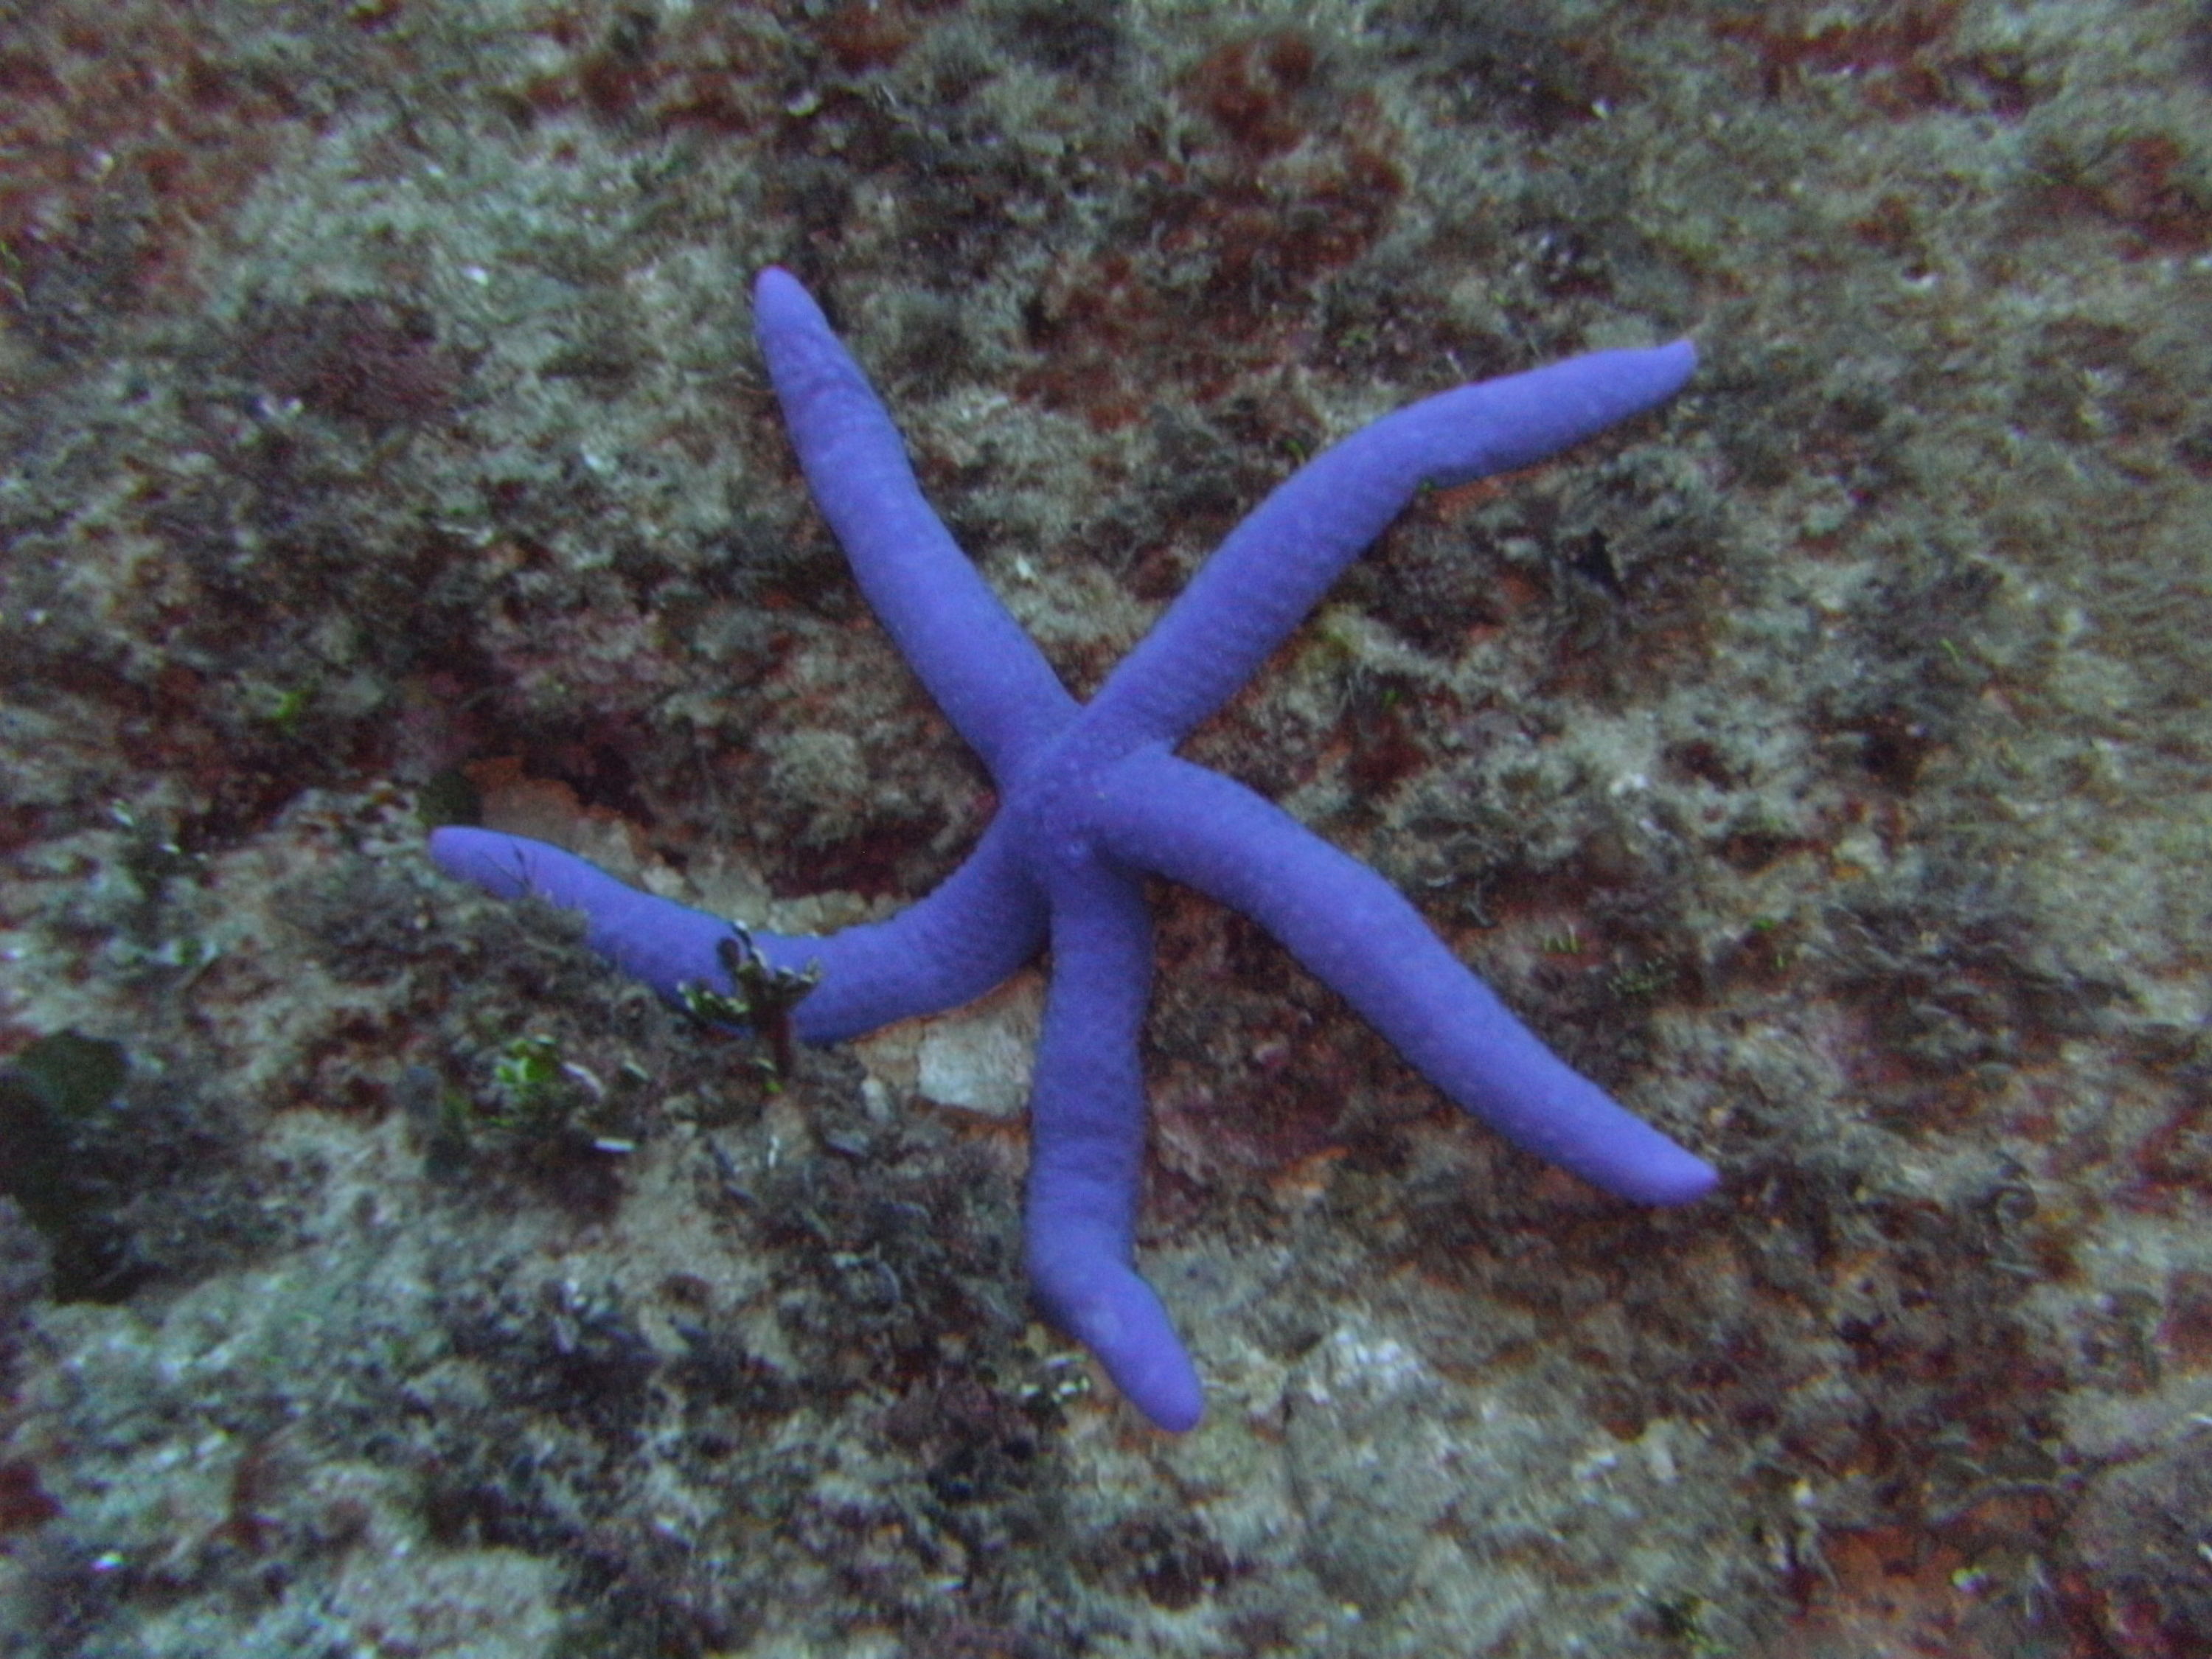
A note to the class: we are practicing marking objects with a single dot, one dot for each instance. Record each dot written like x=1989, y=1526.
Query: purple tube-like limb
x=1358, y=935
x=979, y=668
x=1087, y=1146
x=1275, y=566
x=978, y=927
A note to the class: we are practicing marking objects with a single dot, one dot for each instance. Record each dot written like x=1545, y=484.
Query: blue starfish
x=1093, y=798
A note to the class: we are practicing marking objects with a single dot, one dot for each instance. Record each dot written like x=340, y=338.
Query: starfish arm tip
x=500, y=864
x=1567, y=1119
x=774, y=284
x=1109, y=1307
x=1680, y=1177
x=667, y=944
x=1514, y=1082
x=1678, y=360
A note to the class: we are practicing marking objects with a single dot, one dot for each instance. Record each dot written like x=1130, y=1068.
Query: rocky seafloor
x=1822, y=763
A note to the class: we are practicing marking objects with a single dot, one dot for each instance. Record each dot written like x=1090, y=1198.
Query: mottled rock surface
x=1822, y=765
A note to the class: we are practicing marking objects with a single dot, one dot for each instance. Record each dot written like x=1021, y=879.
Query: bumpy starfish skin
x=1091, y=799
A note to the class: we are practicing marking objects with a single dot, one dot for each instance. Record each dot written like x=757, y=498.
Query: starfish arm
x=1087, y=1147
x=1355, y=931
x=1275, y=566
x=984, y=923
x=983, y=670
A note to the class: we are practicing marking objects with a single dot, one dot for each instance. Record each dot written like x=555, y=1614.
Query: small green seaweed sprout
x=760, y=997
x=527, y=1071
